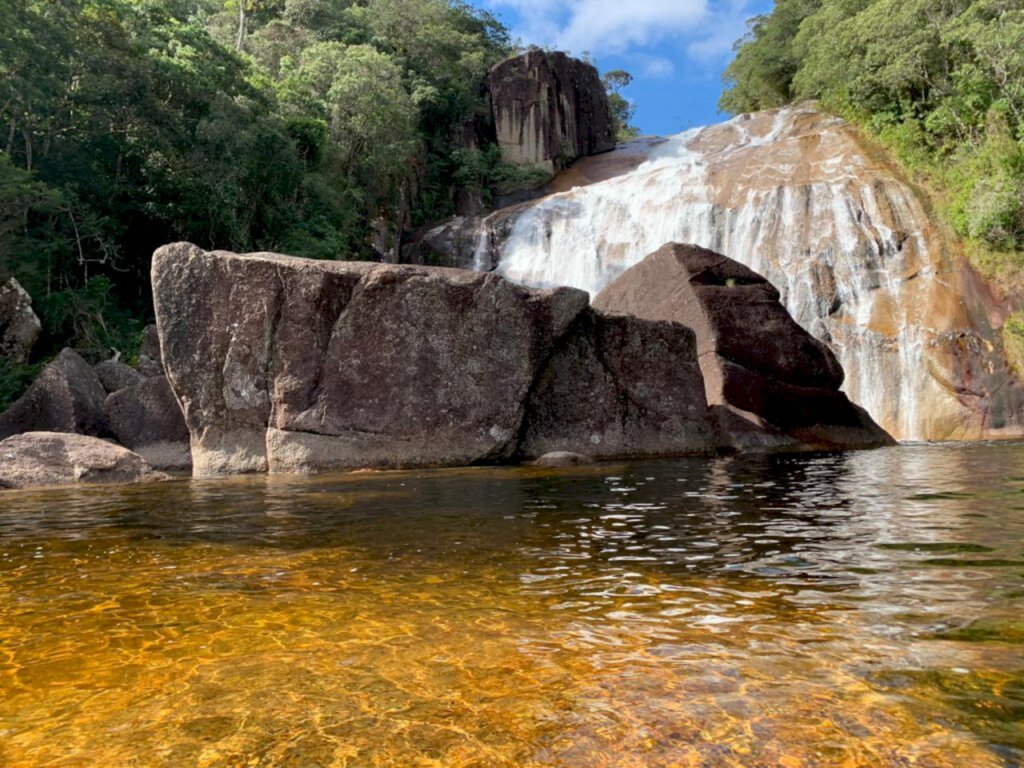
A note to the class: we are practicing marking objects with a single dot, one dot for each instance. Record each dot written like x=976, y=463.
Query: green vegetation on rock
x=940, y=82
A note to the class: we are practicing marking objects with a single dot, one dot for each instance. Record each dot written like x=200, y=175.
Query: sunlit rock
x=756, y=361
x=549, y=109
x=37, y=459
x=291, y=365
x=801, y=198
x=558, y=459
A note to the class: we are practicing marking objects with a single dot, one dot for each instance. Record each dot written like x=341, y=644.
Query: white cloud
x=703, y=30
x=658, y=66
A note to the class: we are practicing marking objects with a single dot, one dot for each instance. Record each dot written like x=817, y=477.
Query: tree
x=622, y=108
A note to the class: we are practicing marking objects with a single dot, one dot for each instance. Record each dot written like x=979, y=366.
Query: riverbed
x=862, y=609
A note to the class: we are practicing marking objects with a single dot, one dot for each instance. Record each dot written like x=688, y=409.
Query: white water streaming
x=793, y=197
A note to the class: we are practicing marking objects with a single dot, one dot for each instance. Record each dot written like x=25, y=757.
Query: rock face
x=756, y=361
x=66, y=397
x=147, y=419
x=19, y=326
x=291, y=365
x=549, y=109
x=619, y=388
x=150, y=357
x=115, y=375
x=37, y=459
x=801, y=198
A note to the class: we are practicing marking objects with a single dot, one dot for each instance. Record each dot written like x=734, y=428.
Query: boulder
x=293, y=365
x=558, y=459
x=115, y=375
x=619, y=387
x=549, y=109
x=150, y=362
x=19, y=326
x=761, y=369
x=66, y=397
x=37, y=459
x=147, y=419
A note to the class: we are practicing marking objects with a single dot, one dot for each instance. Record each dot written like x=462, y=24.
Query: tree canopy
x=321, y=128
x=294, y=125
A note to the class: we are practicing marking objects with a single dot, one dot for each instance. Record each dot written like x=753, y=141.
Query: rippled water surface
x=862, y=609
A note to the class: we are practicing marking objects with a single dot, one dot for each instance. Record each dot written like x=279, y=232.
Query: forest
x=938, y=82
x=304, y=126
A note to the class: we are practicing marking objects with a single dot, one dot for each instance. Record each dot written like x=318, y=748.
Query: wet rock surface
x=557, y=459
x=38, y=459
x=19, y=325
x=754, y=357
x=291, y=365
x=66, y=397
x=804, y=199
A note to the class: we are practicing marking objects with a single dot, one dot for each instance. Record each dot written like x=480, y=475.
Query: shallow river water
x=849, y=610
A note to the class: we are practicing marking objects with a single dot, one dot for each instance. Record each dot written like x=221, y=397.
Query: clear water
x=862, y=609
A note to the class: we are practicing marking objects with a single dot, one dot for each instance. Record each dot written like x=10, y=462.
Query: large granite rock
x=549, y=109
x=287, y=365
x=19, y=326
x=36, y=459
x=115, y=375
x=769, y=381
x=150, y=363
x=66, y=397
x=147, y=419
x=619, y=387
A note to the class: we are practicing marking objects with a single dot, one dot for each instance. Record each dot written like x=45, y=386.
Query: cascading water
x=794, y=195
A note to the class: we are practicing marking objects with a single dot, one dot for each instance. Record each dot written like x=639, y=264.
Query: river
x=861, y=609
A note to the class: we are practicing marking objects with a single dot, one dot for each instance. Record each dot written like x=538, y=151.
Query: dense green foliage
x=623, y=110
x=939, y=81
x=321, y=128
x=299, y=125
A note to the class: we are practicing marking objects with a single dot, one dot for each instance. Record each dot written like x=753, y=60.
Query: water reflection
x=859, y=609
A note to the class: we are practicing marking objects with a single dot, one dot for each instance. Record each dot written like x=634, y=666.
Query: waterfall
x=795, y=196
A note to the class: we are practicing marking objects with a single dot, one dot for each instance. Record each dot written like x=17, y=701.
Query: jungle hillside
x=320, y=128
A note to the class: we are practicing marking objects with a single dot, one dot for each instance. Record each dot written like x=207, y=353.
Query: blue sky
x=675, y=49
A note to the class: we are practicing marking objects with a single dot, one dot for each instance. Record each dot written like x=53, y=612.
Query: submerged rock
x=292, y=365
x=754, y=357
x=19, y=326
x=549, y=109
x=147, y=419
x=562, y=459
x=66, y=397
x=36, y=459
